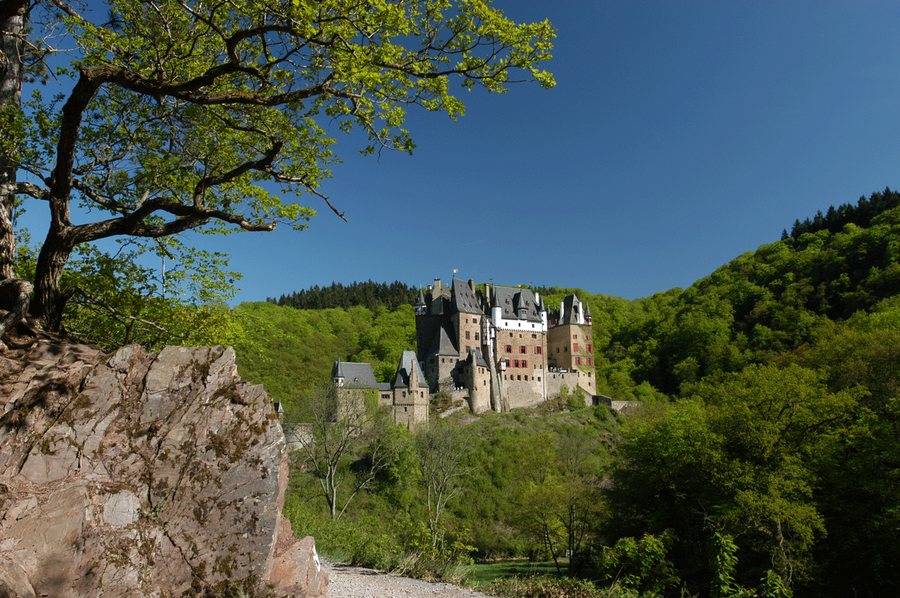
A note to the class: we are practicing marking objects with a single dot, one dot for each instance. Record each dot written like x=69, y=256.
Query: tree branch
x=32, y=190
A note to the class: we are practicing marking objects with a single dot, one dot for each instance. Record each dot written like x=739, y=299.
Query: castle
x=407, y=396
x=501, y=348
x=498, y=349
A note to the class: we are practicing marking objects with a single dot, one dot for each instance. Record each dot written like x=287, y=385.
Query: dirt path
x=358, y=582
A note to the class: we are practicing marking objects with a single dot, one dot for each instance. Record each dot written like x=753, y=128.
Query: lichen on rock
x=142, y=474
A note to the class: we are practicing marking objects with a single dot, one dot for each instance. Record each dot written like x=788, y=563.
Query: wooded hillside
x=766, y=459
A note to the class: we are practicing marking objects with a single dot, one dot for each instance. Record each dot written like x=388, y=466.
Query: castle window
x=467, y=334
x=574, y=336
x=522, y=349
x=533, y=336
x=404, y=394
x=539, y=378
x=537, y=350
x=509, y=348
x=484, y=382
x=557, y=349
x=476, y=336
x=574, y=347
x=524, y=363
x=515, y=363
x=519, y=376
x=577, y=361
x=590, y=361
x=526, y=377
x=588, y=349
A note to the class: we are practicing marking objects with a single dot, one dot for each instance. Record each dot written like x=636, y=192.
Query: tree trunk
x=49, y=302
x=12, y=27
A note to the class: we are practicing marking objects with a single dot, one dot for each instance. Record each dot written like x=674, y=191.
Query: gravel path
x=358, y=582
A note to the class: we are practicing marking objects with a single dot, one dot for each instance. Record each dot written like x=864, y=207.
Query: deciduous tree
x=186, y=114
x=345, y=430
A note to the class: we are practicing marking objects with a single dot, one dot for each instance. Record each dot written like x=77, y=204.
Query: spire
x=420, y=305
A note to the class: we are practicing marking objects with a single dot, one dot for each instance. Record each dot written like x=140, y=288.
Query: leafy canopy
x=183, y=110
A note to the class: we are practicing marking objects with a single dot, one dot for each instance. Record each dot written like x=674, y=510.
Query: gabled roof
x=517, y=304
x=464, y=298
x=355, y=375
x=409, y=364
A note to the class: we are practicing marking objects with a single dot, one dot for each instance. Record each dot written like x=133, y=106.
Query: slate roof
x=511, y=299
x=464, y=298
x=440, y=304
x=442, y=343
x=355, y=375
x=479, y=358
x=572, y=311
x=408, y=364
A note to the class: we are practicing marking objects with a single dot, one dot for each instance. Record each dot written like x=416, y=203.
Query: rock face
x=142, y=474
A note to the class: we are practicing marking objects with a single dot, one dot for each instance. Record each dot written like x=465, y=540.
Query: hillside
x=757, y=308
x=291, y=351
x=765, y=461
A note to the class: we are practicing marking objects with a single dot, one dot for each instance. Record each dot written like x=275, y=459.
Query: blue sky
x=680, y=135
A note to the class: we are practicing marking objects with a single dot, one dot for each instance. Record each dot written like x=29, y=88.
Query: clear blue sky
x=680, y=135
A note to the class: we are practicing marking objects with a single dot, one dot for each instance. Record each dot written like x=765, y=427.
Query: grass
x=482, y=574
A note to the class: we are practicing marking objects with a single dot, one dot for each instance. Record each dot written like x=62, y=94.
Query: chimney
x=472, y=285
x=436, y=292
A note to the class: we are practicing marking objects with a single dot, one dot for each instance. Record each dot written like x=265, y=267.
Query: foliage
x=291, y=351
x=370, y=294
x=347, y=444
x=117, y=299
x=550, y=587
x=441, y=451
x=765, y=459
x=835, y=219
x=640, y=565
x=741, y=456
x=190, y=115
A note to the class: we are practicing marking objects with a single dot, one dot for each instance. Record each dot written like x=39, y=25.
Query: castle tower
x=411, y=394
x=571, y=345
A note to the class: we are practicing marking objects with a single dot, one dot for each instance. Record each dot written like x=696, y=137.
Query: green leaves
x=185, y=114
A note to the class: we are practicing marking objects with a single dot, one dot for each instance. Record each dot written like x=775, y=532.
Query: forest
x=764, y=462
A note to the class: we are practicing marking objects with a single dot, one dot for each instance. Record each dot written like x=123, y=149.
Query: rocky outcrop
x=142, y=474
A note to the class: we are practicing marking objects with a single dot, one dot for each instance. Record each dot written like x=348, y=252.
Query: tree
x=346, y=445
x=184, y=114
x=560, y=499
x=442, y=454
